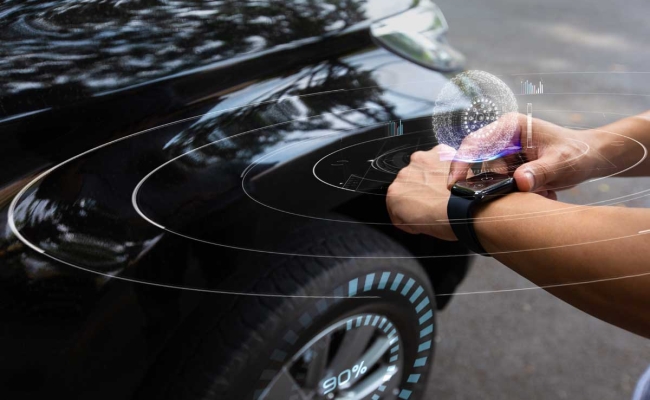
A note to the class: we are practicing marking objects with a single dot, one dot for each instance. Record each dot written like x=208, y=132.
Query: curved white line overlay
x=16, y=232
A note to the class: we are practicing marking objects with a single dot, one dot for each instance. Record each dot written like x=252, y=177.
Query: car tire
x=243, y=350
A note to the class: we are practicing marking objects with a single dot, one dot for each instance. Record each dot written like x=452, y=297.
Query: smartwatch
x=466, y=195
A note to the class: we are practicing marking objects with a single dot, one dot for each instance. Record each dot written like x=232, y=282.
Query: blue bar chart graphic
x=530, y=88
x=394, y=129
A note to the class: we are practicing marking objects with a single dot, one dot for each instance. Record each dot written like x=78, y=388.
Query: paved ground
x=528, y=344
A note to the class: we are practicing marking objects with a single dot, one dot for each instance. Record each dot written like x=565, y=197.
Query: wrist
x=466, y=196
x=500, y=223
x=484, y=216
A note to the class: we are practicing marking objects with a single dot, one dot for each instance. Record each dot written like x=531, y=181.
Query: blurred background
x=528, y=344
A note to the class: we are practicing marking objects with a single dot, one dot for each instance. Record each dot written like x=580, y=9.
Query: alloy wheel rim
x=358, y=357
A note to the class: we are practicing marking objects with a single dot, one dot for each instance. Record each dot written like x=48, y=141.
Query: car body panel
x=89, y=279
x=59, y=52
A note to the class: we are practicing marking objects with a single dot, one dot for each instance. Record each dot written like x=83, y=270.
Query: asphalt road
x=528, y=344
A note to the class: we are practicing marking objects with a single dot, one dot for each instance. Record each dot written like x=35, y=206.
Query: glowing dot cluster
x=479, y=117
x=479, y=106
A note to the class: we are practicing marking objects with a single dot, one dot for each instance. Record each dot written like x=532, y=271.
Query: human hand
x=417, y=199
x=559, y=159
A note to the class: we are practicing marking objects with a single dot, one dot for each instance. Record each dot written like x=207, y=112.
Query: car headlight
x=418, y=34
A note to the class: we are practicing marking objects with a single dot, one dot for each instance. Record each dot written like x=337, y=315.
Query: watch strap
x=460, y=212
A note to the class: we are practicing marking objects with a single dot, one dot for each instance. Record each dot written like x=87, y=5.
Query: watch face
x=484, y=184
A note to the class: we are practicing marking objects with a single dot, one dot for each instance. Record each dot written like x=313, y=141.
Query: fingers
x=552, y=156
x=473, y=145
x=532, y=175
x=553, y=168
x=457, y=171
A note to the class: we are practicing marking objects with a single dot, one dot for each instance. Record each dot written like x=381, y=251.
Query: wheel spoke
x=354, y=343
x=318, y=363
x=284, y=387
x=375, y=352
x=369, y=358
x=348, y=361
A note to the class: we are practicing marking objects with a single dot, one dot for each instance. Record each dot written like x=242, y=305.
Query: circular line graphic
x=357, y=371
x=422, y=306
x=483, y=219
x=16, y=199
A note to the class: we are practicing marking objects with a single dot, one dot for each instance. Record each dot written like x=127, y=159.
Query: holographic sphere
x=479, y=111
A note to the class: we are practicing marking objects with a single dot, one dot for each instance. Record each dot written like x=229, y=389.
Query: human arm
x=635, y=129
x=558, y=246
x=554, y=245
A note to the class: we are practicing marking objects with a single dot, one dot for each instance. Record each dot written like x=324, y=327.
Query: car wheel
x=333, y=328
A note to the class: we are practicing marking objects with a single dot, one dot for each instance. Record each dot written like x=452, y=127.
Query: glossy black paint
x=68, y=328
x=58, y=52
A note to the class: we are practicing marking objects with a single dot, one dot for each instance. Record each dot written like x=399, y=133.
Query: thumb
x=532, y=175
x=457, y=171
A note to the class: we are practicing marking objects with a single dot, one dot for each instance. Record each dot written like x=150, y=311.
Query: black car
x=193, y=199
